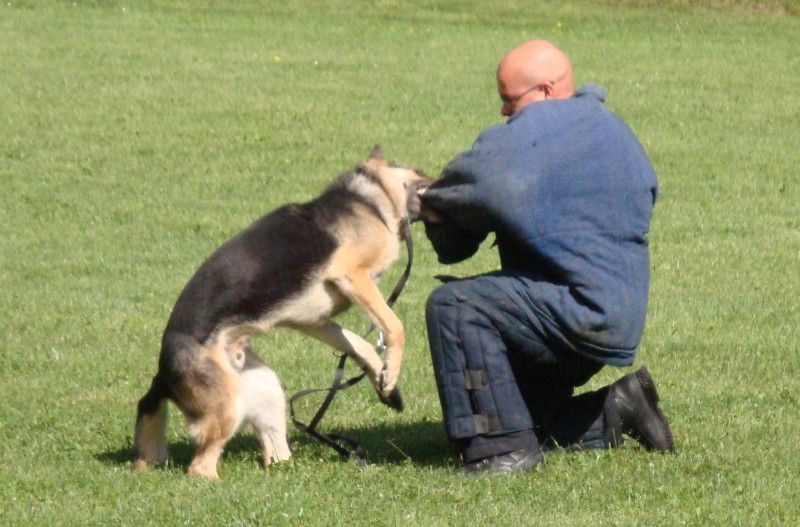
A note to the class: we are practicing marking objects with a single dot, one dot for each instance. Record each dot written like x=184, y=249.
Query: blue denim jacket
x=568, y=191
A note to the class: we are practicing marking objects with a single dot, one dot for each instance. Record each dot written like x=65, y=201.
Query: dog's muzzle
x=413, y=203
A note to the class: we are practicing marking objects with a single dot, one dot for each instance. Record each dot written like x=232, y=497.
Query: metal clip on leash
x=345, y=446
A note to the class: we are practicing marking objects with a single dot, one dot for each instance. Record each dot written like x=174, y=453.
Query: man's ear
x=548, y=88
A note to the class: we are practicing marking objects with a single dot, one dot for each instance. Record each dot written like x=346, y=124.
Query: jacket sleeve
x=452, y=243
x=463, y=226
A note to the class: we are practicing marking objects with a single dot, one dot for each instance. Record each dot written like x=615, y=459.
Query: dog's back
x=253, y=272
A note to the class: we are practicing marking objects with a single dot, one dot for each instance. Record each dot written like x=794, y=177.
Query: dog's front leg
x=362, y=290
x=359, y=349
x=348, y=342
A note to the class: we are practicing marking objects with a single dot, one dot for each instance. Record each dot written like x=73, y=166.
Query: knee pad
x=476, y=385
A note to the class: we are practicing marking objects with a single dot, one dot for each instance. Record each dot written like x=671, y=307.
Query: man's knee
x=442, y=304
x=441, y=317
x=444, y=295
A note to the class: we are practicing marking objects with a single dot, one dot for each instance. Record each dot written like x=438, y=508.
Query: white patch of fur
x=262, y=404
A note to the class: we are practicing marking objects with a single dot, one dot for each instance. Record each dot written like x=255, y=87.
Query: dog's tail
x=150, y=437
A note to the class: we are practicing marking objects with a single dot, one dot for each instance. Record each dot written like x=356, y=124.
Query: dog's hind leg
x=212, y=432
x=150, y=436
x=264, y=406
x=214, y=415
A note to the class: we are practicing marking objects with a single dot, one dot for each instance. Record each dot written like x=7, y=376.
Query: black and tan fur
x=297, y=267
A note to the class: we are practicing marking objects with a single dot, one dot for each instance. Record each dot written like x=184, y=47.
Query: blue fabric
x=466, y=325
x=569, y=192
x=527, y=377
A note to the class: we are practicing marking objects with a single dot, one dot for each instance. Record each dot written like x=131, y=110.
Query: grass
x=136, y=137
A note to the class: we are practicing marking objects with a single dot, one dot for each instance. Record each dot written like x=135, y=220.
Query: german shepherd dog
x=296, y=267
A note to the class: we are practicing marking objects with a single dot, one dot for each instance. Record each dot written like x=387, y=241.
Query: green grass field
x=135, y=137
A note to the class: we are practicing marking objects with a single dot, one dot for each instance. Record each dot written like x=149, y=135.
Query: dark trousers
x=503, y=383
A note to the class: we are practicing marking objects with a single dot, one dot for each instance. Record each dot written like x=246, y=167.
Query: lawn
x=135, y=137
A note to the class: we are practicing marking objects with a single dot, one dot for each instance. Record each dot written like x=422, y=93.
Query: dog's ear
x=376, y=153
x=375, y=162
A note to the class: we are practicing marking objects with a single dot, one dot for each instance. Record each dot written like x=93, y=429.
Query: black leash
x=345, y=446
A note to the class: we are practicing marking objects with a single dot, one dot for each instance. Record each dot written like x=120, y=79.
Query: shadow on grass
x=421, y=444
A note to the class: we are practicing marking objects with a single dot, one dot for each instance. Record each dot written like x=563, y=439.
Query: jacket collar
x=591, y=90
x=585, y=92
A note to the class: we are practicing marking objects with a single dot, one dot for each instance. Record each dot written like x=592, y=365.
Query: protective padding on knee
x=476, y=385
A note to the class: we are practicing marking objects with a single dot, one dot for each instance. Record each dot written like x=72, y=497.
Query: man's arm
x=453, y=227
x=452, y=243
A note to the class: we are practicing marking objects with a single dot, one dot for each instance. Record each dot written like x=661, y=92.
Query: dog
x=298, y=267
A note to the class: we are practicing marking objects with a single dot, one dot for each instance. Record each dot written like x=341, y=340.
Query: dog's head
x=402, y=183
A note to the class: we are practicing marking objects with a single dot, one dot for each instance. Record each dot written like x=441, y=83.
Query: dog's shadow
x=421, y=444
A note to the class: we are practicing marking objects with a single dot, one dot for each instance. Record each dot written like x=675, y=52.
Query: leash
x=345, y=446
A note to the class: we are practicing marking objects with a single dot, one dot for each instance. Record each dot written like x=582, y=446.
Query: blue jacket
x=569, y=192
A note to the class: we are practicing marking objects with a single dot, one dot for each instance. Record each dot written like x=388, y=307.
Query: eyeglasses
x=511, y=101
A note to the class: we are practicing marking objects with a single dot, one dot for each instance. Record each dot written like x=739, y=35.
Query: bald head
x=532, y=72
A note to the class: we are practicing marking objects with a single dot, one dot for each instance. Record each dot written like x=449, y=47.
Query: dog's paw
x=203, y=472
x=389, y=392
x=394, y=400
x=137, y=465
x=387, y=379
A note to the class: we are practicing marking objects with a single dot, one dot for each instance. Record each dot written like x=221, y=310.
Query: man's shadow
x=422, y=444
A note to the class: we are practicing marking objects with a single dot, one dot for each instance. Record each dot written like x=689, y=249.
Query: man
x=568, y=192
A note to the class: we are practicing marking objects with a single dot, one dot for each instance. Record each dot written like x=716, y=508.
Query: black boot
x=636, y=400
x=510, y=463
